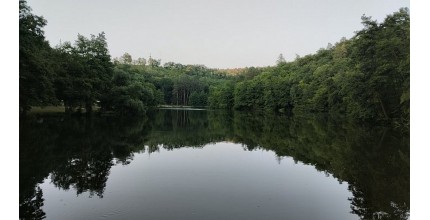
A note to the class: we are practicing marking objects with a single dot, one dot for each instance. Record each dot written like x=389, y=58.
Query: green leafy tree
x=141, y=61
x=153, y=62
x=221, y=96
x=381, y=53
x=35, y=66
x=126, y=58
x=88, y=72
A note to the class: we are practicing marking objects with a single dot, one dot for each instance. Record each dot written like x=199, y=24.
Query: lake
x=198, y=164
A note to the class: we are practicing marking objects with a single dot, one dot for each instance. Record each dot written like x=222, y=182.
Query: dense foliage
x=35, y=71
x=365, y=77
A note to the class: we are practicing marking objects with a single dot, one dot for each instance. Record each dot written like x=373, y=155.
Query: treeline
x=75, y=75
x=365, y=77
x=174, y=83
x=83, y=75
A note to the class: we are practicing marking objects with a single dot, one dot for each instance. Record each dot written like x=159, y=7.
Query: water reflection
x=78, y=152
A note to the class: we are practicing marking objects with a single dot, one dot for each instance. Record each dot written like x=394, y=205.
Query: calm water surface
x=178, y=164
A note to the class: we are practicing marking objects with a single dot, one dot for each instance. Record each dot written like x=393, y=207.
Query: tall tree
x=126, y=58
x=381, y=53
x=153, y=62
x=281, y=59
x=89, y=72
x=35, y=69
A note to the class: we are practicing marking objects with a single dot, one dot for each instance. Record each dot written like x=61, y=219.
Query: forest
x=365, y=77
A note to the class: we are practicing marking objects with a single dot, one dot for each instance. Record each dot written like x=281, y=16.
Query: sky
x=217, y=34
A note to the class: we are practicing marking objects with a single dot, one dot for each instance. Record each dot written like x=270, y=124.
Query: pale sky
x=217, y=34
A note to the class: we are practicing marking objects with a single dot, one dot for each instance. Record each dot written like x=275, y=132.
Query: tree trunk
x=183, y=102
x=382, y=107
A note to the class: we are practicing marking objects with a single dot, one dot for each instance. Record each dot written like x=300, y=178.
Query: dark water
x=179, y=164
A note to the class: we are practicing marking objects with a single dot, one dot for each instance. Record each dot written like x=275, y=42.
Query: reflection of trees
x=91, y=144
x=373, y=160
x=79, y=152
x=31, y=207
x=378, y=173
x=88, y=173
x=180, y=128
x=36, y=142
